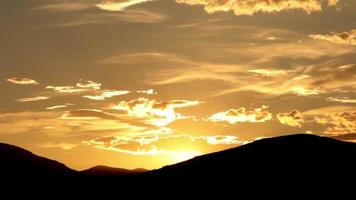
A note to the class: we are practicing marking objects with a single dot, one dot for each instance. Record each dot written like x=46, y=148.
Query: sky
x=148, y=83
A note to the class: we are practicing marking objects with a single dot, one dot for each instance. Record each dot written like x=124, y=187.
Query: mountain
x=17, y=162
x=308, y=158
x=110, y=171
x=284, y=158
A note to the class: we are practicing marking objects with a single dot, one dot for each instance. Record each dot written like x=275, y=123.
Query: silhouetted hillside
x=18, y=162
x=110, y=171
x=284, y=159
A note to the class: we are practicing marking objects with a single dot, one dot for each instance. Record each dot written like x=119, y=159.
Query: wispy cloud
x=239, y=115
x=107, y=94
x=293, y=118
x=59, y=106
x=119, y=5
x=63, y=145
x=149, y=91
x=270, y=72
x=82, y=86
x=65, y=6
x=161, y=142
x=348, y=38
x=22, y=81
x=30, y=99
x=250, y=7
x=341, y=99
x=159, y=113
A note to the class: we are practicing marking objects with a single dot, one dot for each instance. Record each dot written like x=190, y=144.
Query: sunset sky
x=146, y=83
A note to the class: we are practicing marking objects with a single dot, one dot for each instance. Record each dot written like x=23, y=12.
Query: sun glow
x=184, y=155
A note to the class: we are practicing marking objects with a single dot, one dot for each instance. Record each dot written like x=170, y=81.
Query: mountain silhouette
x=293, y=157
x=302, y=157
x=18, y=162
x=111, y=171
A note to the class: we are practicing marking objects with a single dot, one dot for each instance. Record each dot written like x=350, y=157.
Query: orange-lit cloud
x=250, y=7
x=149, y=91
x=30, y=99
x=107, y=94
x=159, y=113
x=158, y=142
x=66, y=89
x=89, y=85
x=88, y=114
x=302, y=91
x=65, y=6
x=338, y=38
x=119, y=5
x=293, y=118
x=337, y=120
x=338, y=123
x=341, y=99
x=22, y=81
x=63, y=145
x=234, y=116
x=58, y=106
x=82, y=86
x=269, y=72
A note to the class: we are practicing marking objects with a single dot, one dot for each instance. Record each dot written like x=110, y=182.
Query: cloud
x=337, y=120
x=348, y=38
x=341, y=99
x=159, y=113
x=107, y=94
x=82, y=86
x=22, y=81
x=82, y=122
x=65, y=6
x=250, y=7
x=66, y=89
x=293, y=118
x=30, y=99
x=88, y=114
x=301, y=91
x=119, y=5
x=345, y=67
x=160, y=142
x=64, y=146
x=270, y=72
x=222, y=140
x=59, y=106
x=234, y=116
x=89, y=85
x=338, y=123
x=149, y=91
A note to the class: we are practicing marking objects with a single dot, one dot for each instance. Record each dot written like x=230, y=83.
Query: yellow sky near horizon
x=147, y=83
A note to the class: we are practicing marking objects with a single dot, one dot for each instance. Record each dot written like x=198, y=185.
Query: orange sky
x=146, y=83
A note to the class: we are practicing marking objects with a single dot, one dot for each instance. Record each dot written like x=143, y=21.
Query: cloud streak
x=22, y=81
x=251, y=7
x=159, y=113
x=31, y=99
x=119, y=5
x=348, y=38
x=293, y=118
x=239, y=115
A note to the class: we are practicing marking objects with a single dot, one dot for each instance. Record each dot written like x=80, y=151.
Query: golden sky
x=146, y=83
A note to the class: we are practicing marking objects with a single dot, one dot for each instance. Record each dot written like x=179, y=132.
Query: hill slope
x=286, y=157
x=290, y=157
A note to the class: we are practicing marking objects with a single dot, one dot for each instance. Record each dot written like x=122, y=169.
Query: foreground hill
x=284, y=159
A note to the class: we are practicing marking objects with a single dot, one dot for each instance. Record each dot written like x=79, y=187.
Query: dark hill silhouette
x=307, y=158
x=111, y=171
x=294, y=156
x=18, y=162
